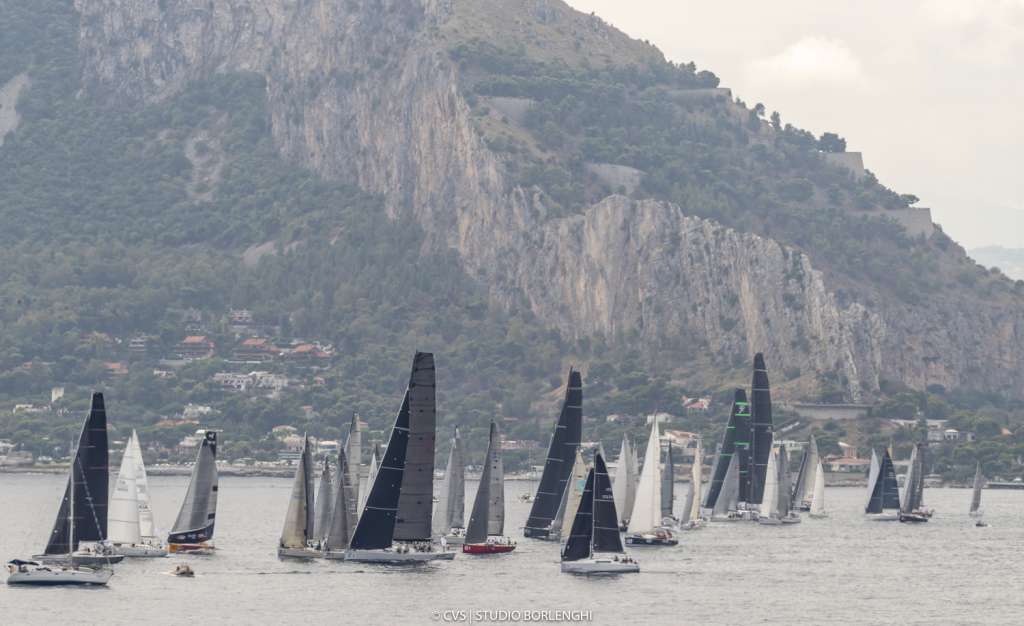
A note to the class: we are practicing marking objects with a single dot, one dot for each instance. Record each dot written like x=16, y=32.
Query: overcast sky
x=931, y=91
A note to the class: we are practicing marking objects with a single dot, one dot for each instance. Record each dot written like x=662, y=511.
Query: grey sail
x=451, y=501
x=196, y=519
x=324, y=502
x=299, y=520
x=488, y=517
x=979, y=483
x=728, y=498
x=416, y=500
x=784, y=495
x=709, y=500
x=668, y=483
x=803, y=491
x=354, y=452
x=343, y=519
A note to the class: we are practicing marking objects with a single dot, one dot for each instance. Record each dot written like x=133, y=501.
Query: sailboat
x=297, y=537
x=571, y=497
x=883, y=490
x=733, y=456
x=398, y=508
x=979, y=484
x=912, y=507
x=668, y=484
x=817, y=510
x=451, y=504
x=594, y=545
x=624, y=487
x=769, y=514
x=486, y=531
x=193, y=530
x=324, y=502
x=691, y=518
x=761, y=427
x=371, y=474
x=82, y=516
x=727, y=503
x=130, y=520
x=354, y=452
x=806, y=476
x=645, y=522
x=561, y=453
x=784, y=497
x=343, y=511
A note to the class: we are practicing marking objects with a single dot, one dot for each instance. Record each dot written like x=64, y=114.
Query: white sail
x=646, y=513
x=696, y=475
x=728, y=497
x=873, y=474
x=370, y=476
x=123, y=516
x=297, y=529
x=909, y=484
x=147, y=525
x=622, y=484
x=574, y=493
x=818, y=494
x=979, y=483
x=769, y=503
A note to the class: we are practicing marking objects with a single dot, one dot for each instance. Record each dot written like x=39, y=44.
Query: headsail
x=299, y=520
x=123, y=518
x=561, y=453
x=803, y=491
x=451, y=502
x=668, y=477
x=324, y=502
x=571, y=496
x=579, y=544
x=625, y=481
x=738, y=421
x=354, y=453
x=147, y=525
x=646, y=513
x=370, y=476
x=728, y=499
x=488, y=517
x=606, y=537
x=89, y=478
x=818, y=494
x=416, y=502
x=198, y=512
x=770, y=501
x=343, y=522
x=784, y=495
x=885, y=493
x=979, y=483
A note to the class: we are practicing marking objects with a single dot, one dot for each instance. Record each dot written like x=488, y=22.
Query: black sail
x=416, y=501
x=606, y=526
x=761, y=425
x=198, y=512
x=885, y=494
x=488, y=516
x=89, y=477
x=740, y=407
x=668, y=484
x=744, y=443
x=376, y=525
x=581, y=535
x=561, y=455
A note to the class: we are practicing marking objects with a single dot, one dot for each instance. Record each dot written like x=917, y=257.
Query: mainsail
x=416, y=501
x=691, y=510
x=343, y=522
x=914, y=488
x=354, y=453
x=761, y=427
x=571, y=496
x=668, y=477
x=803, y=491
x=147, y=525
x=199, y=509
x=818, y=494
x=123, y=518
x=885, y=492
x=561, y=453
x=605, y=536
x=299, y=520
x=784, y=495
x=376, y=525
x=728, y=499
x=88, y=478
x=770, y=501
x=979, y=483
x=579, y=545
x=324, y=502
x=646, y=513
x=451, y=502
x=738, y=422
x=488, y=517
x=625, y=481
x=370, y=476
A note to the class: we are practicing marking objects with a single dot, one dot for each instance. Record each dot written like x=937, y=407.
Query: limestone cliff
x=365, y=91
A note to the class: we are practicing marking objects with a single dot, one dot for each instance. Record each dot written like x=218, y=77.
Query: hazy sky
x=931, y=91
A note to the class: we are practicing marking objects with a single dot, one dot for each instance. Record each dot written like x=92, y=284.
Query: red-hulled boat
x=484, y=534
x=493, y=545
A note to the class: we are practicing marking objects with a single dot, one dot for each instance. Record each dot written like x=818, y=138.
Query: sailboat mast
x=71, y=502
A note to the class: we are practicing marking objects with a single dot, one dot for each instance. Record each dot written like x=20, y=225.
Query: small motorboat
x=184, y=571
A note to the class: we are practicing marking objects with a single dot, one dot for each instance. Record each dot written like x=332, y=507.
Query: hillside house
x=195, y=347
x=256, y=350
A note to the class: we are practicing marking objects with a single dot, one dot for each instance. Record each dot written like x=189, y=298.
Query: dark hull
x=913, y=518
x=652, y=542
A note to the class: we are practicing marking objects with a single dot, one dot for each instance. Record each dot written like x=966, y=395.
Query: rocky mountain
x=579, y=178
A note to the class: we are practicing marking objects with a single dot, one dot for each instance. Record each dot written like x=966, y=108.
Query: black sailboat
x=558, y=466
x=399, y=505
x=884, y=491
x=595, y=545
x=486, y=529
x=193, y=530
x=761, y=429
x=735, y=442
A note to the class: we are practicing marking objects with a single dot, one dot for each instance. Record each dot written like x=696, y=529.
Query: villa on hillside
x=194, y=348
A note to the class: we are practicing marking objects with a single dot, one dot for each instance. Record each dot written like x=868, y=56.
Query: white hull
x=792, y=519
x=298, y=553
x=882, y=517
x=455, y=540
x=769, y=521
x=390, y=556
x=600, y=566
x=44, y=576
x=140, y=551
x=88, y=560
x=334, y=555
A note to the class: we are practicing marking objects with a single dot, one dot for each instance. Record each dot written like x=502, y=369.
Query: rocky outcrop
x=363, y=91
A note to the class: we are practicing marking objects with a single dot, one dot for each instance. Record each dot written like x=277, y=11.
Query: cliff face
x=365, y=91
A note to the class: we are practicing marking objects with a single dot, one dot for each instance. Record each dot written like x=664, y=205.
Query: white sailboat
x=624, y=487
x=818, y=494
x=976, y=511
x=691, y=518
x=645, y=524
x=449, y=515
x=131, y=529
x=769, y=514
x=297, y=536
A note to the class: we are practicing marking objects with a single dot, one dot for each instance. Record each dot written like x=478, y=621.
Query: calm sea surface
x=838, y=571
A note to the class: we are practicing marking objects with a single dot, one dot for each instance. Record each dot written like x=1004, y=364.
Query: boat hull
x=87, y=560
x=882, y=517
x=595, y=567
x=298, y=553
x=792, y=519
x=391, y=557
x=650, y=541
x=769, y=521
x=455, y=540
x=913, y=518
x=487, y=548
x=199, y=549
x=140, y=551
x=818, y=515
x=44, y=576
